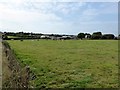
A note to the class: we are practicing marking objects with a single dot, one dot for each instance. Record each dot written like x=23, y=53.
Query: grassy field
x=70, y=63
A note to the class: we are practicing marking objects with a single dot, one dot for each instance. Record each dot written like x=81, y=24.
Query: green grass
x=70, y=63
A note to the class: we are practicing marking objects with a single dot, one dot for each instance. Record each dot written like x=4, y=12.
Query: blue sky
x=58, y=17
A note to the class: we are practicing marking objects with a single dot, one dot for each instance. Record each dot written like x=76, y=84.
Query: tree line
x=97, y=35
x=23, y=35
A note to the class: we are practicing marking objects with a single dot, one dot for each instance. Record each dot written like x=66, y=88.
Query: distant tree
x=21, y=34
x=5, y=37
x=81, y=35
x=96, y=35
x=108, y=36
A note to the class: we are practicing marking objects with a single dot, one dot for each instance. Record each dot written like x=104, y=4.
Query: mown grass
x=70, y=63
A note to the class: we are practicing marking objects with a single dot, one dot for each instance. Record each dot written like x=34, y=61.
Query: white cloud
x=13, y=19
x=90, y=12
x=23, y=16
x=28, y=10
x=68, y=7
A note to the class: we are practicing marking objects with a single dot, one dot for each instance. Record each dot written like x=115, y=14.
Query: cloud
x=102, y=11
x=68, y=7
x=110, y=8
x=56, y=17
x=19, y=1
x=24, y=15
x=14, y=20
x=28, y=10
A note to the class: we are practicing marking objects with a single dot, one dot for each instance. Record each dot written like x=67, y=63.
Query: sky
x=59, y=16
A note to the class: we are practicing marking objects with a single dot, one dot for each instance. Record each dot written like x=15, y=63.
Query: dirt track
x=13, y=75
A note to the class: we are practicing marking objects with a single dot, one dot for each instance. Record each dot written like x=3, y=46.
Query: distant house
x=63, y=37
x=74, y=37
x=53, y=37
x=118, y=37
x=45, y=37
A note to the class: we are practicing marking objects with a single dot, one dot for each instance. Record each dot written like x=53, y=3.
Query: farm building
x=63, y=37
x=45, y=37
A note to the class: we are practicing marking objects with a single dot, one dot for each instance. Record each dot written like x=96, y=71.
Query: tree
x=96, y=35
x=108, y=36
x=5, y=37
x=81, y=35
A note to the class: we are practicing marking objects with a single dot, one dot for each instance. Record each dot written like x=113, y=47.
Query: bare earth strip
x=0, y=63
